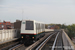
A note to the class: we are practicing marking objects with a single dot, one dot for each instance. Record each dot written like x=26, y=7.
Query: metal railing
x=55, y=41
x=44, y=42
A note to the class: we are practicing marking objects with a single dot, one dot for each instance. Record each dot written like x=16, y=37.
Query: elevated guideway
x=67, y=43
x=55, y=39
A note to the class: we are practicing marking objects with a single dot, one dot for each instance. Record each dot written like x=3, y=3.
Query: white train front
x=32, y=30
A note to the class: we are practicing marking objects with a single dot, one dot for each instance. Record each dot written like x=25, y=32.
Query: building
x=12, y=25
x=17, y=24
x=6, y=25
x=53, y=27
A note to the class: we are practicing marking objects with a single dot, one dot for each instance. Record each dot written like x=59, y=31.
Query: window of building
x=2, y=26
x=7, y=23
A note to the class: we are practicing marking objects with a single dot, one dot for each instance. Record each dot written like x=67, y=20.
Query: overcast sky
x=47, y=11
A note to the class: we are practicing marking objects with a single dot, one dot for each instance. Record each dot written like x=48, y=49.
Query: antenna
x=22, y=14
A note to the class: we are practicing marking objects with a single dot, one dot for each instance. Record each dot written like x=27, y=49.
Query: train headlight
x=22, y=37
x=32, y=37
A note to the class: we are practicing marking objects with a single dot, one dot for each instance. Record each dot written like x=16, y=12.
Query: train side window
x=36, y=25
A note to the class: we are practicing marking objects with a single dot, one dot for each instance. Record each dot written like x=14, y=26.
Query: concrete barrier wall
x=7, y=34
x=47, y=30
x=68, y=44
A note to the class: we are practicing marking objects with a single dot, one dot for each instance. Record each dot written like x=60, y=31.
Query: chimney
x=4, y=21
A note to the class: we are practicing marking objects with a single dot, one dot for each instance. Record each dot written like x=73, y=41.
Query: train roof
x=34, y=20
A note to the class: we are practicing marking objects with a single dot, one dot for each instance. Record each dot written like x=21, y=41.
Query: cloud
x=4, y=6
x=48, y=11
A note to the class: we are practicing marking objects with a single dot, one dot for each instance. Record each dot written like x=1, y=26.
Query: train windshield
x=29, y=25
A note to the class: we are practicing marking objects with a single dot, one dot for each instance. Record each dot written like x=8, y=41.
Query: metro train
x=31, y=30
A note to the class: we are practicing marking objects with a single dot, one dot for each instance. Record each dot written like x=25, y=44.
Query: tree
x=71, y=30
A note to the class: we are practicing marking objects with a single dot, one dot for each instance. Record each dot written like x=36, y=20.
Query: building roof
x=7, y=23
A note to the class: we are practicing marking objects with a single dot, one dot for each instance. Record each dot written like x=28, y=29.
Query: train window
x=29, y=25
